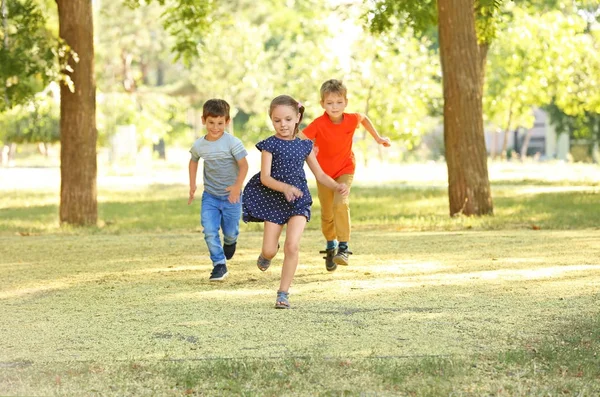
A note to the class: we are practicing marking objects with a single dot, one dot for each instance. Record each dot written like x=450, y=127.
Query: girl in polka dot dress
x=279, y=195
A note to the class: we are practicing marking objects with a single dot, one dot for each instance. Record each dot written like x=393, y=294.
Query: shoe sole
x=219, y=278
x=332, y=268
x=339, y=261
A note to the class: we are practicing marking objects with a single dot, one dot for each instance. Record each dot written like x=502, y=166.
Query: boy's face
x=215, y=126
x=334, y=105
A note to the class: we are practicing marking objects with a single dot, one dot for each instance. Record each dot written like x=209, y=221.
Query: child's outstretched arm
x=290, y=192
x=193, y=170
x=235, y=190
x=366, y=122
x=322, y=177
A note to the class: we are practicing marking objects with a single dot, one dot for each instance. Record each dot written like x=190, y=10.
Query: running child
x=225, y=168
x=279, y=195
x=332, y=135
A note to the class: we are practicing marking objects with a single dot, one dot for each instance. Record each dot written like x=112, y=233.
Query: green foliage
x=133, y=47
x=422, y=15
x=185, y=20
x=584, y=126
x=550, y=60
x=27, y=53
x=154, y=115
x=36, y=121
x=386, y=14
x=397, y=92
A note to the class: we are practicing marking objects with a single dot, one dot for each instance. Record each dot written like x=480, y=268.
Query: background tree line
x=154, y=60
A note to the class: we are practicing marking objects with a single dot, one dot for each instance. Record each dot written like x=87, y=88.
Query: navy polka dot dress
x=261, y=203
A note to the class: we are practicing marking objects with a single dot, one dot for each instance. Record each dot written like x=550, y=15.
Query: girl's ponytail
x=301, y=112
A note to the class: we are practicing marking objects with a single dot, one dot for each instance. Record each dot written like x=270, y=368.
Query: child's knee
x=269, y=252
x=291, y=248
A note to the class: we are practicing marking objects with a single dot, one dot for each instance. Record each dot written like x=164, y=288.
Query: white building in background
x=541, y=140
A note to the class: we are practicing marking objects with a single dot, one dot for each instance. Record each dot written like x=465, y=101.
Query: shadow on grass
x=394, y=208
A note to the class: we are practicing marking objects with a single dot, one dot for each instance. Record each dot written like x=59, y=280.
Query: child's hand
x=234, y=193
x=192, y=193
x=292, y=193
x=342, y=189
x=384, y=141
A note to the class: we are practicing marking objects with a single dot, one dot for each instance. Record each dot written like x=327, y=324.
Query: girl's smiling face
x=284, y=119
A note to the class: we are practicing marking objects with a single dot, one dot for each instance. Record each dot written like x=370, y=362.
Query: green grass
x=164, y=208
x=430, y=305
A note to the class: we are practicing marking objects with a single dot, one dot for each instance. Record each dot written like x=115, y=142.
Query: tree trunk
x=506, y=132
x=525, y=145
x=78, y=136
x=468, y=183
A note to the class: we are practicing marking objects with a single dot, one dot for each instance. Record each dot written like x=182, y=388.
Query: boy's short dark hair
x=215, y=108
x=333, y=86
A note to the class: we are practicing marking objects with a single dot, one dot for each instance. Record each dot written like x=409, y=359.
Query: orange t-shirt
x=334, y=141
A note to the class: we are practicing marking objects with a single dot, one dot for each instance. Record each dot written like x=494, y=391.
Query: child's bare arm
x=301, y=135
x=366, y=122
x=193, y=170
x=290, y=192
x=235, y=190
x=322, y=177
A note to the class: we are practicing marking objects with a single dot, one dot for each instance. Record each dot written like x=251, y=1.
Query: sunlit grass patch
x=415, y=312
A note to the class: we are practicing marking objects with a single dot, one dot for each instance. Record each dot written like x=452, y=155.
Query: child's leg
x=326, y=196
x=210, y=218
x=231, y=222
x=341, y=210
x=295, y=227
x=271, y=234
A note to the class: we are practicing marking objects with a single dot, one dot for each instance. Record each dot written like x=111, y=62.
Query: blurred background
x=541, y=96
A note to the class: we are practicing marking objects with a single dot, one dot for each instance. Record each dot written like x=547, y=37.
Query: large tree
x=78, y=168
x=466, y=157
x=463, y=55
x=78, y=205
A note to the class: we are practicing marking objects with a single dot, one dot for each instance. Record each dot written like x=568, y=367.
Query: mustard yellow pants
x=335, y=210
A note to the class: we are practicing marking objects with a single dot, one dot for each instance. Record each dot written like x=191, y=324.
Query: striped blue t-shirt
x=220, y=162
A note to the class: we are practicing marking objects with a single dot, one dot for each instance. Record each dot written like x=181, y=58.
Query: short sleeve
x=310, y=131
x=237, y=149
x=266, y=144
x=359, y=118
x=194, y=153
x=308, y=146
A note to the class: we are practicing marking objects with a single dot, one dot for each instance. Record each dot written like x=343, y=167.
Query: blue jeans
x=218, y=213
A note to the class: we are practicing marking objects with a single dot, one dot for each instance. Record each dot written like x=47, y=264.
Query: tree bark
x=78, y=135
x=468, y=183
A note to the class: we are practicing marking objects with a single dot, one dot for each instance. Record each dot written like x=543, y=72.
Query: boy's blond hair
x=333, y=86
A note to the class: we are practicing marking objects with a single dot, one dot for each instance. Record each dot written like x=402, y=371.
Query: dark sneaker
x=229, y=250
x=341, y=258
x=329, y=263
x=219, y=273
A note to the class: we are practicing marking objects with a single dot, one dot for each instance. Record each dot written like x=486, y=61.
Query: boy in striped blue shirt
x=225, y=169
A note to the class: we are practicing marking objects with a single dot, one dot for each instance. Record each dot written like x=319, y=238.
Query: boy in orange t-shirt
x=332, y=134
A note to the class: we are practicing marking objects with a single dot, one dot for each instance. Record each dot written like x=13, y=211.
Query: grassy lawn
x=502, y=306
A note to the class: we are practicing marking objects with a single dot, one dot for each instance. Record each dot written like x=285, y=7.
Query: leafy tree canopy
x=27, y=53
